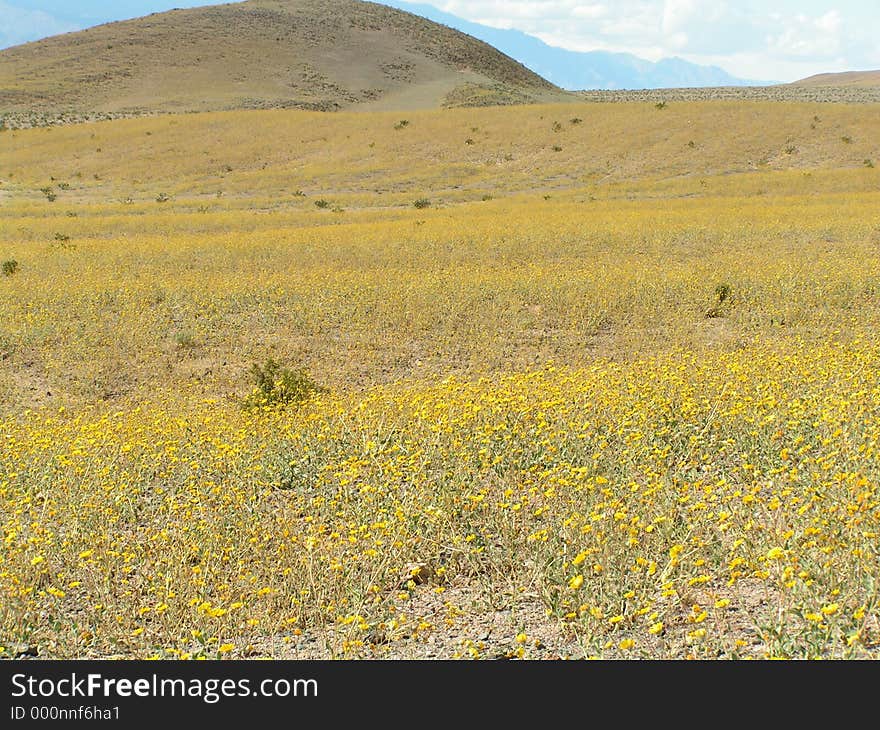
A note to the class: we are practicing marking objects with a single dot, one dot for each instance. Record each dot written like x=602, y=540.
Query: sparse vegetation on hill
x=318, y=55
x=822, y=94
x=869, y=79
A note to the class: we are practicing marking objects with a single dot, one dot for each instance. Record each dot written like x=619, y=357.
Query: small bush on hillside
x=322, y=203
x=62, y=240
x=9, y=267
x=276, y=385
x=723, y=294
x=660, y=105
x=163, y=198
x=401, y=124
x=184, y=340
x=422, y=203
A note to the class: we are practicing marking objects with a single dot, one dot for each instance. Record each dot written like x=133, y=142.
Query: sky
x=784, y=40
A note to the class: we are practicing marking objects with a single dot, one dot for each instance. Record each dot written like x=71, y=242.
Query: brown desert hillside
x=848, y=78
x=310, y=54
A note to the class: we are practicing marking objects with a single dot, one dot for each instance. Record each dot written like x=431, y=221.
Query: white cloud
x=678, y=14
x=809, y=38
x=18, y=25
x=758, y=39
x=830, y=22
x=590, y=12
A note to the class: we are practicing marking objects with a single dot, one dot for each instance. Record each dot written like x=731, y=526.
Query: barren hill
x=848, y=78
x=311, y=54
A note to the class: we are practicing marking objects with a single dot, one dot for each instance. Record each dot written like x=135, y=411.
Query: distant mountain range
x=575, y=70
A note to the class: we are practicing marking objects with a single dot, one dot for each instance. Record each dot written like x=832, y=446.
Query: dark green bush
x=721, y=306
x=276, y=385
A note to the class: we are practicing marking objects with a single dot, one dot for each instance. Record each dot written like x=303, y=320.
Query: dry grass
x=369, y=160
x=617, y=400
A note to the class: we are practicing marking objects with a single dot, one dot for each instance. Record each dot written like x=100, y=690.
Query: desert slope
x=848, y=78
x=310, y=54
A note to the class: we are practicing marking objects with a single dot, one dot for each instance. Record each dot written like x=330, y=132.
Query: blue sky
x=759, y=39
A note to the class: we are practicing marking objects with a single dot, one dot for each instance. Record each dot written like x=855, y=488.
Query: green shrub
x=9, y=267
x=276, y=385
x=722, y=292
x=422, y=203
x=721, y=306
x=184, y=340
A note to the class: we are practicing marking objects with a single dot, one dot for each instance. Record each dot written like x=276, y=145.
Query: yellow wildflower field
x=617, y=400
